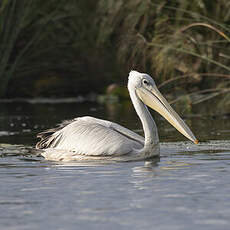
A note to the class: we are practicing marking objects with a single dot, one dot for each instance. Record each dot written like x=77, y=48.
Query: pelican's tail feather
x=50, y=138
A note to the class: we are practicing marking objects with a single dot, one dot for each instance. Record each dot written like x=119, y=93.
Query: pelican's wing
x=91, y=136
x=126, y=132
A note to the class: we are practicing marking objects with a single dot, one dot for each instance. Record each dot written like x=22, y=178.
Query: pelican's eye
x=145, y=82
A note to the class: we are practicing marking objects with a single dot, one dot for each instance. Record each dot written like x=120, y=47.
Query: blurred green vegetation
x=47, y=48
x=67, y=48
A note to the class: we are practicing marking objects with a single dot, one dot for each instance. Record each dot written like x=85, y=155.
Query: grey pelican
x=89, y=138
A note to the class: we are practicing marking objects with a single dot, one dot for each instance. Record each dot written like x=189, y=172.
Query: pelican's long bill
x=154, y=99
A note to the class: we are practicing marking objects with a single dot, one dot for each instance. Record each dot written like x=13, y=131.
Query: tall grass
x=171, y=38
x=41, y=36
x=178, y=39
x=11, y=24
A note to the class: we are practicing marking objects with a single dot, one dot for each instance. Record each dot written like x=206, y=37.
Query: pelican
x=89, y=138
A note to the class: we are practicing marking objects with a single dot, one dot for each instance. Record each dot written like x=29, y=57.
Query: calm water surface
x=187, y=188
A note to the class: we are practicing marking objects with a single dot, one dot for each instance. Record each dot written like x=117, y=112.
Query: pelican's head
x=139, y=80
x=145, y=89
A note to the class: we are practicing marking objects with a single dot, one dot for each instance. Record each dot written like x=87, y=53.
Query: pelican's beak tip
x=196, y=142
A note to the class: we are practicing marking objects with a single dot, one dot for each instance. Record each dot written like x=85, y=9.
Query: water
x=188, y=187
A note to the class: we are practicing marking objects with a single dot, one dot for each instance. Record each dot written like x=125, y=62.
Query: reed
x=40, y=36
x=169, y=36
x=170, y=39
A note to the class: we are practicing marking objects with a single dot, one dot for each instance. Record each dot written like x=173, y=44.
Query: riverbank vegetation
x=67, y=48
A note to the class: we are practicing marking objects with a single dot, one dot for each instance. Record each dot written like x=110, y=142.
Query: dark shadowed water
x=187, y=188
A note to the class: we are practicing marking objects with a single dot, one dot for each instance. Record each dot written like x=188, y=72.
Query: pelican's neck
x=149, y=126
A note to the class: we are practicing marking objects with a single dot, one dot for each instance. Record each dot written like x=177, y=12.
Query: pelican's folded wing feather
x=91, y=136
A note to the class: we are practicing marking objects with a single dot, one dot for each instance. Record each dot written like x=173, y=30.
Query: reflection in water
x=174, y=165
x=149, y=166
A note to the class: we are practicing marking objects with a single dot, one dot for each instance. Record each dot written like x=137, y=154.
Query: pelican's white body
x=88, y=138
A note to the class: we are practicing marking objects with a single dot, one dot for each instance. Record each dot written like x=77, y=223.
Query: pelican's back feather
x=91, y=136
